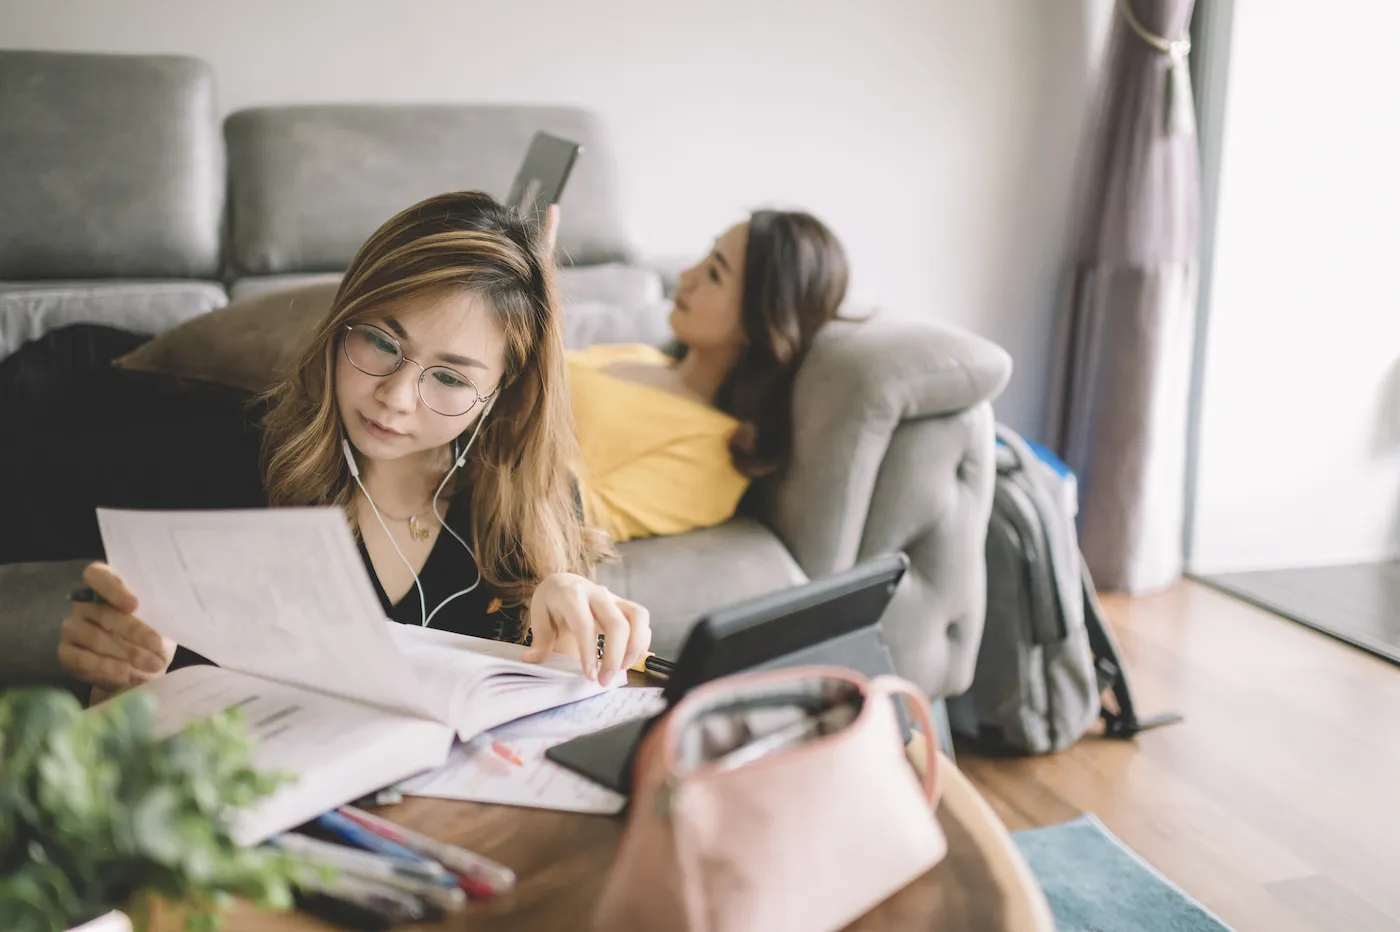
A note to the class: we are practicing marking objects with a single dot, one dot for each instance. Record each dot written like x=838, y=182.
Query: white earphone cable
x=425, y=616
x=457, y=464
x=422, y=600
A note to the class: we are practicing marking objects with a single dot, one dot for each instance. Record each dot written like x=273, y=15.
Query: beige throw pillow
x=246, y=344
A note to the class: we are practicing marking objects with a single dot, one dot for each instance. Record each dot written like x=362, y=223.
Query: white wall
x=937, y=137
x=1300, y=431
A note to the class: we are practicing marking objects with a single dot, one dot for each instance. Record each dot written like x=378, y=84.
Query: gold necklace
x=416, y=529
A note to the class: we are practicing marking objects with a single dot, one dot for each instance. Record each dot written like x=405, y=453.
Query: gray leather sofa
x=126, y=205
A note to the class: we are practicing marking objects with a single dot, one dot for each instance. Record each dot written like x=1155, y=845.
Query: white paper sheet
x=508, y=765
x=277, y=593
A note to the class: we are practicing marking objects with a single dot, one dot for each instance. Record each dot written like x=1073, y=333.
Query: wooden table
x=561, y=859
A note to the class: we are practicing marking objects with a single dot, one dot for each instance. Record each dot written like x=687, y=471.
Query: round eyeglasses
x=443, y=390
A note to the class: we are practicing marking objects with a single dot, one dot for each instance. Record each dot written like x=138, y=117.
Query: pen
x=656, y=666
x=340, y=913
x=469, y=866
x=361, y=836
x=775, y=741
x=393, y=905
x=364, y=863
x=436, y=889
x=506, y=754
x=471, y=882
x=86, y=594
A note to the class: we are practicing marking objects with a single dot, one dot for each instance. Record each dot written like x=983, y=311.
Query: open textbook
x=333, y=692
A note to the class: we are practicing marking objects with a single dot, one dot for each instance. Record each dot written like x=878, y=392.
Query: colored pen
x=470, y=879
x=437, y=886
x=471, y=883
x=468, y=865
x=393, y=904
x=506, y=754
x=361, y=836
x=399, y=875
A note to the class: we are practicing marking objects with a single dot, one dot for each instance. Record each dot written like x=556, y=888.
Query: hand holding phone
x=550, y=233
x=542, y=176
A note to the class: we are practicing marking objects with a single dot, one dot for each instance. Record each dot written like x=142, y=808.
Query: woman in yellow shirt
x=671, y=440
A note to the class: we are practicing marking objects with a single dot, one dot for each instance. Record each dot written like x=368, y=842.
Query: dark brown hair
x=524, y=525
x=795, y=276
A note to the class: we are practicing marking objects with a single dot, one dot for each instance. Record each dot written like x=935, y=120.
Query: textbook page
x=336, y=750
x=487, y=682
x=279, y=593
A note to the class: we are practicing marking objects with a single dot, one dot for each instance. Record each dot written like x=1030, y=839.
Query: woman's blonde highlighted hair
x=524, y=519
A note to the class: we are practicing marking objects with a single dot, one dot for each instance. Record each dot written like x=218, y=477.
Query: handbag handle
x=894, y=686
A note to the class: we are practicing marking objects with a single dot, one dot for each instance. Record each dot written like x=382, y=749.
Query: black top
x=448, y=570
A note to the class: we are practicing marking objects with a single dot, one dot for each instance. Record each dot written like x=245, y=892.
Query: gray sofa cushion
x=681, y=578
x=34, y=605
x=110, y=166
x=28, y=310
x=310, y=183
x=589, y=323
x=602, y=304
x=263, y=284
x=611, y=282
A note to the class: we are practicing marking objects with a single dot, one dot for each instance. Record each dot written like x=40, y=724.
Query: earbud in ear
x=462, y=460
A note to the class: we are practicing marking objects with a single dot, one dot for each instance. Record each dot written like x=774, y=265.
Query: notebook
x=334, y=694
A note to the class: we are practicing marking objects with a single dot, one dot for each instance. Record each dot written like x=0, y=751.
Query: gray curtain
x=1118, y=408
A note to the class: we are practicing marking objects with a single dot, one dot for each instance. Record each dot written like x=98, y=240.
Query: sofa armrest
x=893, y=449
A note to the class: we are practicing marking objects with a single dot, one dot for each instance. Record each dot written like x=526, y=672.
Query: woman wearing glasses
x=430, y=403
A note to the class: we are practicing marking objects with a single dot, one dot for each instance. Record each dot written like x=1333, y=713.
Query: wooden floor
x=1276, y=803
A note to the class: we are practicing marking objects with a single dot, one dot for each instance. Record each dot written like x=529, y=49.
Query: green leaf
x=95, y=811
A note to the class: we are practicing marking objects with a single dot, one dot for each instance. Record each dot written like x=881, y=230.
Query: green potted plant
x=99, y=814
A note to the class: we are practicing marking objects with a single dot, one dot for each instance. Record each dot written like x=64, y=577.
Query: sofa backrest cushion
x=309, y=184
x=111, y=166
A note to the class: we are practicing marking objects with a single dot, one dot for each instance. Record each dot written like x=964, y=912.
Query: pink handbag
x=779, y=800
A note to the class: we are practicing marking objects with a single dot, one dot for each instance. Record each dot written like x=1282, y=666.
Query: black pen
x=658, y=667
x=342, y=913
x=86, y=594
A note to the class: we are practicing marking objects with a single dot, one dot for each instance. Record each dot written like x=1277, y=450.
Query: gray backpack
x=1047, y=658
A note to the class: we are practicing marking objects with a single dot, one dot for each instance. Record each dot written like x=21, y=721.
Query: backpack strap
x=1120, y=719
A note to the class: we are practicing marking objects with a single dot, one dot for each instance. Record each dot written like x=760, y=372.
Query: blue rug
x=1095, y=883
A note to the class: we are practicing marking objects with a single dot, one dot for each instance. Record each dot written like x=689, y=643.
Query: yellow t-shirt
x=653, y=462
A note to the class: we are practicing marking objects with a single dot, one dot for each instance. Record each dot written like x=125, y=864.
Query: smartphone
x=542, y=175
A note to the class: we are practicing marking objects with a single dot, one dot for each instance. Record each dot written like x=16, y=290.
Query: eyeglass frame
x=480, y=398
